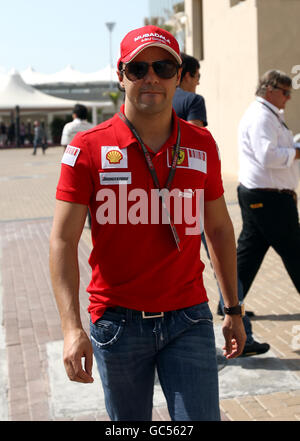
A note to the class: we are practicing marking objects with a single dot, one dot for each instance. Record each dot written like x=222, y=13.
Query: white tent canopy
x=68, y=75
x=30, y=76
x=15, y=92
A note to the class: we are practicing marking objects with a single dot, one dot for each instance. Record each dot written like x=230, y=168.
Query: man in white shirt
x=269, y=175
x=79, y=124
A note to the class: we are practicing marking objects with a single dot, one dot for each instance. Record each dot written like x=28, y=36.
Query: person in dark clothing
x=39, y=137
x=187, y=104
x=268, y=176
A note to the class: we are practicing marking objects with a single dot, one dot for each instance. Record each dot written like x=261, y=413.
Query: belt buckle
x=160, y=314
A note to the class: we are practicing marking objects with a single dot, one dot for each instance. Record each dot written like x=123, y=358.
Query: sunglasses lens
x=136, y=70
x=165, y=69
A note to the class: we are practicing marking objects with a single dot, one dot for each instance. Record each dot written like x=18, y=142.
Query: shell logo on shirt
x=114, y=156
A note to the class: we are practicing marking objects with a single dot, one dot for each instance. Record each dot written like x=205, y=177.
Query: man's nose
x=151, y=76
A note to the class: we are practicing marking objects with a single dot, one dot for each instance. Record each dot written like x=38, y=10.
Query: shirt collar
x=267, y=103
x=126, y=138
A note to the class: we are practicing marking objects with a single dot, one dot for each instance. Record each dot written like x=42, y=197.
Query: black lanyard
x=153, y=171
x=148, y=157
x=273, y=111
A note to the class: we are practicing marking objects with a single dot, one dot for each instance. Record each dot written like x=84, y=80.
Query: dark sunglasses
x=136, y=70
x=284, y=91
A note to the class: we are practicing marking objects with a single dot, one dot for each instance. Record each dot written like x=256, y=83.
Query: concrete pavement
x=33, y=385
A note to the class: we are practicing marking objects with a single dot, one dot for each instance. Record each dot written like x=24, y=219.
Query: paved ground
x=33, y=385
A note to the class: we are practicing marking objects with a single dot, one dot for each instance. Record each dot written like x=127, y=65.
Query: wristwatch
x=235, y=310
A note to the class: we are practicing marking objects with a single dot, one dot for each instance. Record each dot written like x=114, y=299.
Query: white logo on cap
x=161, y=37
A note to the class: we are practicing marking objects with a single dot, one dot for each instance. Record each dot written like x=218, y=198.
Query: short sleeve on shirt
x=197, y=109
x=65, y=138
x=75, y=182
x=189, y=106
x=214, y=185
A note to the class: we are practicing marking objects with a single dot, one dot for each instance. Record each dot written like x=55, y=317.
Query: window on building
x=235, y=2
x=197, y=25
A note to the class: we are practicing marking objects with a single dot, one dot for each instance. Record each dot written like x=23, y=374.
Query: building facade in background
x=168, y=14
x=237, y=41
x=161, y=8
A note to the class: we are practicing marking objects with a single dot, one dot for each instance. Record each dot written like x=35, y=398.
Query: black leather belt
x=144, y=314
x=290, y=192
x=276, y=190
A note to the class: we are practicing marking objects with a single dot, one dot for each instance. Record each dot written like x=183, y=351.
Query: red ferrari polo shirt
x=135, y=261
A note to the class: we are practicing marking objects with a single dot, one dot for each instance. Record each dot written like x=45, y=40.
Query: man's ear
x=120, y=77
x=179, y=76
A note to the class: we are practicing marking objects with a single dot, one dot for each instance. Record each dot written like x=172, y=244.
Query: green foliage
x=178, y=7
x=114, y=97
x=157, y=21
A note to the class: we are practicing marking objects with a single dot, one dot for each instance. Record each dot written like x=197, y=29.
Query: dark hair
x=272, y=78
x=120, y=69
x=189, y=64
x=80, y=111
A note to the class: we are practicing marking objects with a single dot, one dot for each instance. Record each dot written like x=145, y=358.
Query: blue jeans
x=36, y=143
x=180, y=346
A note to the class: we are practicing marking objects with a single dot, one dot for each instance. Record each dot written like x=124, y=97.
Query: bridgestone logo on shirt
x=115, y=178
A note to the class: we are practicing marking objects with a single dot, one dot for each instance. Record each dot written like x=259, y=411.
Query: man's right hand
x=77, y=345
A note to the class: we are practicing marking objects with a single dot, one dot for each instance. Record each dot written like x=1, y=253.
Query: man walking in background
x=39, y=137
x=269, y=175
x=79, y=124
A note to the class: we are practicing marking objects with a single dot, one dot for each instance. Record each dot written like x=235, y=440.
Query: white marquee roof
x=68, y=75
x=15, y=92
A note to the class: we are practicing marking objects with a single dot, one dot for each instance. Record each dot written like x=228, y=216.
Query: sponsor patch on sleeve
x=70, y=156
x=189, y=158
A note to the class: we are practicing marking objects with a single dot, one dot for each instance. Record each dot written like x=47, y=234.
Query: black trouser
x=270, y=219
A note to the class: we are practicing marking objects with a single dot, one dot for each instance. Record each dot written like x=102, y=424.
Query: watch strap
x=235, y=310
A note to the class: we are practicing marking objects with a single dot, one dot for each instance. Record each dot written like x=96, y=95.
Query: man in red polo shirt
x=149, y=180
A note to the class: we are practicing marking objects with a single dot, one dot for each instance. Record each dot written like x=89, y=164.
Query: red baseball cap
x=137, y=40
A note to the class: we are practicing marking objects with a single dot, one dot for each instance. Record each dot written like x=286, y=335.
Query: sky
x=51, y=34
